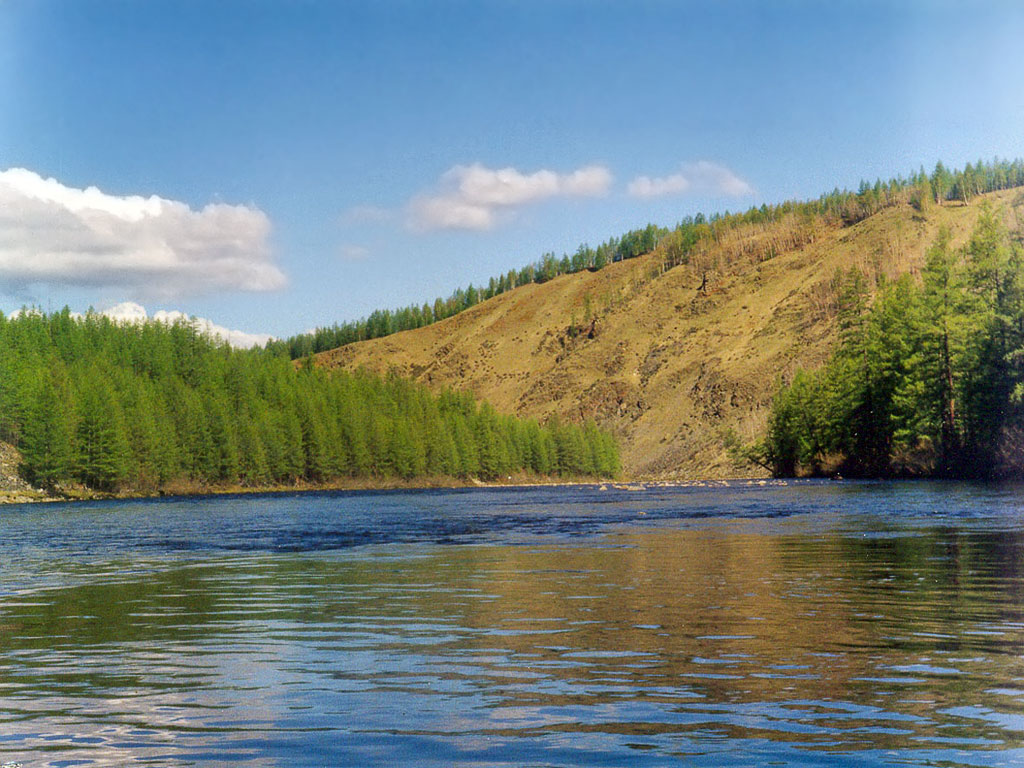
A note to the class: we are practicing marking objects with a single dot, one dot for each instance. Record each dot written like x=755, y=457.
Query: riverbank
x=35, y=495
x=14, y=490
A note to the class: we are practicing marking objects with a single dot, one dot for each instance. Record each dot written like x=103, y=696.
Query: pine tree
x=46, y=448
x=101, y=439
x=253, y=467
x=930, y=393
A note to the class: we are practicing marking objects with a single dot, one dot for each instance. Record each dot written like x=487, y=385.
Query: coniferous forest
x=928, y=377
x=146, y=406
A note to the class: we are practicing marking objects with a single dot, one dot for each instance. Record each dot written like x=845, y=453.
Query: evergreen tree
x=46, y=448
x=927, y=378
x=929, y=395
x=102, y=445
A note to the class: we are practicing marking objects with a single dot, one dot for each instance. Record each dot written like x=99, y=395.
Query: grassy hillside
x=671, y=361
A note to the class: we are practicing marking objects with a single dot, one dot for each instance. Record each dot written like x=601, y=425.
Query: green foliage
x=101, y=438
x=927, y=377
x=46, y=442
x=149, y=405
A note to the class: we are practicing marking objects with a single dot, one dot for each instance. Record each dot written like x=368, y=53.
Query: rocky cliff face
x=12, y=487
x=670, y=361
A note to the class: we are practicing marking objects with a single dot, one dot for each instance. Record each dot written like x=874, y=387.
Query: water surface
x=809, y=623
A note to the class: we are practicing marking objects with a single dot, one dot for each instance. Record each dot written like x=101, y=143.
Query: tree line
x=927, y=378
x=144, y=406
x=691, y=234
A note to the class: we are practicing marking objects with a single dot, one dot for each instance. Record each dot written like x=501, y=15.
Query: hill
x=670, y=360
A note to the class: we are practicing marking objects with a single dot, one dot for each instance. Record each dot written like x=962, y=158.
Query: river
x=782, y=624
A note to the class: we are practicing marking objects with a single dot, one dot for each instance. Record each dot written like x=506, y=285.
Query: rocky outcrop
x=14, y=488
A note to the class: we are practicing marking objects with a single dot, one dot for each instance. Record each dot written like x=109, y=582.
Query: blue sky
x=312, y=161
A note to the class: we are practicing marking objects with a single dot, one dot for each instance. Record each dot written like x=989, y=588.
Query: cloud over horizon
x=700, y=178
x=132, y=312
x=54, y=234
x=470, y=197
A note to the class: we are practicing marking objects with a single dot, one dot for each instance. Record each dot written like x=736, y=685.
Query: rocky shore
x=14, y=489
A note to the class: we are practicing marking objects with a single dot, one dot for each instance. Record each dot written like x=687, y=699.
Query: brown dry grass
x=670, y=369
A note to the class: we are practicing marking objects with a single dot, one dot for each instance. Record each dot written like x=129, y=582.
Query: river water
x=798, y=624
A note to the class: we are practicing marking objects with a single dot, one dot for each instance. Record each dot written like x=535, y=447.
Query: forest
x=927, y=378
x=838, y=207
x=112, y=406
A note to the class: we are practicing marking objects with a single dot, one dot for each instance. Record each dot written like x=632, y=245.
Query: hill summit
x=675, y=360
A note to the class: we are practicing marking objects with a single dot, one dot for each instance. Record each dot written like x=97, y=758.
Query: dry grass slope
x=667, y=367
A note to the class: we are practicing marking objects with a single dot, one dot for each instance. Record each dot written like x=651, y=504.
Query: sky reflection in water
x=858, y=624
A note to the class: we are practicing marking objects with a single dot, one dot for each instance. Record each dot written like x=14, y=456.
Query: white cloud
x=428, y=213
x=645, y=186
x=701, y=178
x=126, y=312
x=51, y=233
x=130, y=312
x=235, y=338
x=471, y=196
